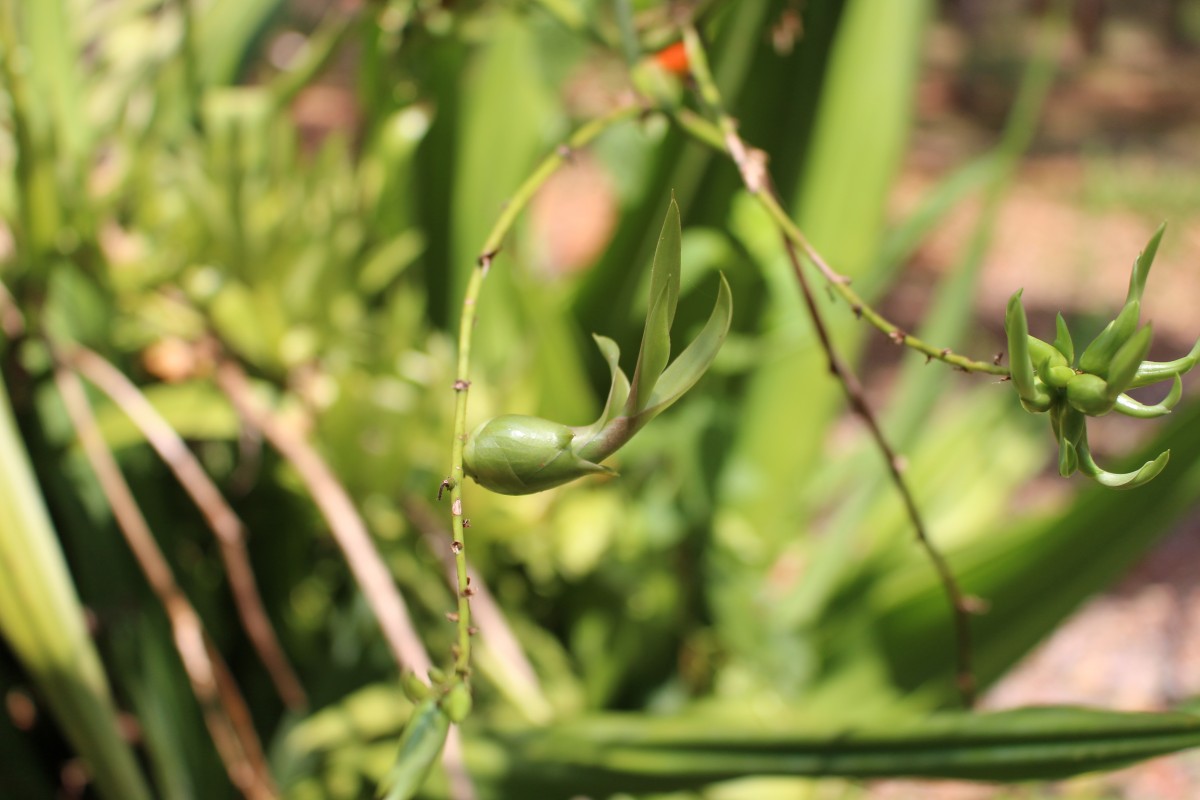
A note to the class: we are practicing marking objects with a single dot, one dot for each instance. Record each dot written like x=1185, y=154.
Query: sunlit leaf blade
x=420, y=744
x=42, y=620
x=1141, y=267
x=630, y=755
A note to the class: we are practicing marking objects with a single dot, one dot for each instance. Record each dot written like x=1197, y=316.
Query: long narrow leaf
x=42, y=620
x=626, y=754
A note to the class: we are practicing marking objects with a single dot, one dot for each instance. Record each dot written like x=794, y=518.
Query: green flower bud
x=517, y=454
x=414, y=688
x=1089, y=394
x=457, y=702
x=1058, y=377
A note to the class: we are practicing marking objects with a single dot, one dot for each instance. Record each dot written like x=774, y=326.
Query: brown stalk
x=345, y=523
x=224, y=709
x=960, y=604
x=751, y=165
x=228, y=529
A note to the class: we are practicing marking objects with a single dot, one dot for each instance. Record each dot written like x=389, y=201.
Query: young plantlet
x=516, y=454
x=1046, y=380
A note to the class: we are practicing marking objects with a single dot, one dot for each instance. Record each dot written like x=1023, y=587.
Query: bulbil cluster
x=1048, y=379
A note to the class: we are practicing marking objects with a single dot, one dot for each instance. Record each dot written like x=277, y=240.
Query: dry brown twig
x=228, y=529
x=223, y=707
x=345, y=523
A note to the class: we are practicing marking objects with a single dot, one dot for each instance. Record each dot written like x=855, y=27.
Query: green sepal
x=655, y=349
x=1099, y=353
x=1124, y=365
x=1033, y=397
x=420, y=744
x=1154, y=371
x=1132, y=408
x=1141, y=266
x=1121, y=480
x=1062, y=339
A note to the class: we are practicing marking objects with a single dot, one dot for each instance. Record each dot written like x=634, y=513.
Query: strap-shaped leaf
x=1141, y=267
x=695, y=359
x=655, y=349
x=606, y=755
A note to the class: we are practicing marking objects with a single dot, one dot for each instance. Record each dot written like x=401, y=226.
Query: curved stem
x=491, y=246
x=746, y=157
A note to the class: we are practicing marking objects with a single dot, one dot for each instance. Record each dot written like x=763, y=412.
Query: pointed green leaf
x=655, y=349
x=1062, y=339
x=1141, y=267
x=653, y=356
x=696, y=358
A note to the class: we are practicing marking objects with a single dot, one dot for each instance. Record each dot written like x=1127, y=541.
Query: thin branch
x=521, y=198
x=757, y=181
x=961, y=606
x=704, y=131
x=221, y=518
x=343, y=519
x=494, y=631
x=221, y=702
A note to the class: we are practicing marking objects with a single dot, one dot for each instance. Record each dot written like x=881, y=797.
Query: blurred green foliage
x=162, y=186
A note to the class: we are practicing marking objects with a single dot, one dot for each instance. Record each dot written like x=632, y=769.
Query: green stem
x=491, y=246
